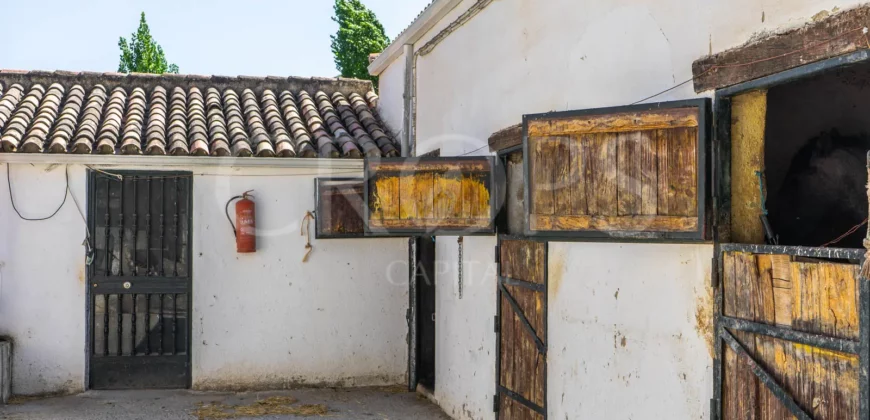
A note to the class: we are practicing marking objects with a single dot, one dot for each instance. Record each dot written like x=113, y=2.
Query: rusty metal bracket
x=815, y=340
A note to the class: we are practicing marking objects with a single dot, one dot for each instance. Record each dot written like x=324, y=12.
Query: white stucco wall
x=464, y=337
x=630, y=331
x=264, y=320
x=519, y=57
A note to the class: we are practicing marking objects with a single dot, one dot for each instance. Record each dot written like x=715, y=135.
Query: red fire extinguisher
x=245, y=228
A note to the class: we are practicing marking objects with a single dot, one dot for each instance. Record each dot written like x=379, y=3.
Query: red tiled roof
x=112, y=113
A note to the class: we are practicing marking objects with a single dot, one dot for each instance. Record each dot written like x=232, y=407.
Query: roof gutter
x=431, y=16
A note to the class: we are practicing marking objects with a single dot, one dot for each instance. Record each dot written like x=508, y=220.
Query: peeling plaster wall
x=519, y=57
x=260, y=321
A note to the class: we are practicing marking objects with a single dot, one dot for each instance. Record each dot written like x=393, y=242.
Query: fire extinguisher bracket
x=245, y=227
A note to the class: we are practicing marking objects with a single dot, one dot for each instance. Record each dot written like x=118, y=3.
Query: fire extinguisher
x=245, y=227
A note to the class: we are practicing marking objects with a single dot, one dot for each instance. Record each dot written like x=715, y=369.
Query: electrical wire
x=34, y=219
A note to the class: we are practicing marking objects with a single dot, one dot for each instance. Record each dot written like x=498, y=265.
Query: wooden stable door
x=792, y=343
x=521, y=325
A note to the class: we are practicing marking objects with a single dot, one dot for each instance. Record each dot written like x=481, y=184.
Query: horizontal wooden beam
x=839, y=34
x=615, y=123
x=613, y=223
x=443, y=165
x=455, y=223
x=506, y=138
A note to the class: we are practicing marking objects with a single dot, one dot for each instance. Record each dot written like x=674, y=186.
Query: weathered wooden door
x=139, y=293
x=792, y=334
x=521, y=325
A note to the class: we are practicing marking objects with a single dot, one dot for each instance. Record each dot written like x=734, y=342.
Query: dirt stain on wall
x=704, y=317
x=556, y=271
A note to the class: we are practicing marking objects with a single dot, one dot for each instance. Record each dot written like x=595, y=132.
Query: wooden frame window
x=339, y=204
x=627, y=173
x=430, y=196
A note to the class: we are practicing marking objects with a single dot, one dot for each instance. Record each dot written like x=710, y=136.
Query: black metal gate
x=139, y=296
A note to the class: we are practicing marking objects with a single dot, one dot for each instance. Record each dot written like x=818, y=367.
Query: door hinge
x=495, y=325
x=497, y=255
x=495, y=404
x=714, y=276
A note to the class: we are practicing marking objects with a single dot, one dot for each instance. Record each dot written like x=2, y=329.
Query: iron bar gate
x=139, y=294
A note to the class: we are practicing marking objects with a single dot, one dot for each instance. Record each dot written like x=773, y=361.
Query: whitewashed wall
x=264, y=320
x=519, y=57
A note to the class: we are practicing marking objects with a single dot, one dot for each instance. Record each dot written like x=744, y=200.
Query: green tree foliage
x=359, y=34
x=142, y=54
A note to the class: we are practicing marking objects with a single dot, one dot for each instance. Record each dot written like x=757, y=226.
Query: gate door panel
x=790, y=333
x=140, y=280
x=522, y=330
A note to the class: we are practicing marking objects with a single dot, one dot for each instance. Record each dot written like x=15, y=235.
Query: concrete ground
x=362, y=403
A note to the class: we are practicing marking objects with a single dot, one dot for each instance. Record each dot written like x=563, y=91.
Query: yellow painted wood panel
x=748, y=120
x=614, y=223
x=616, y=122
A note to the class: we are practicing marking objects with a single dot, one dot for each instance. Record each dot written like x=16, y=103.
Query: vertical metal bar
x=178, y=198
x=105, y=325
x=107, y=228
x=160, y=323
x=148, y=232
x=133, y=326
x=93, y=301
x=546, y=334
x=119, y=313
x=718, y=351
x=162, y=261
x=148, y=268
x=121, y=233
x=175, y=323
x=134, y=259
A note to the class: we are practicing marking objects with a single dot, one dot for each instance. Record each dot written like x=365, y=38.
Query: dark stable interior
x=816, y=142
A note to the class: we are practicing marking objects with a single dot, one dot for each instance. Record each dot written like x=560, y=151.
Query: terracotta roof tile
x=134, y=114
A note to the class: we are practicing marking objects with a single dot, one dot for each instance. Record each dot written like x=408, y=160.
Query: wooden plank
x=541, y=194
x=748, y=119
x=836, y=35
x=746, y=274
x=522, y=260
x=780, y=274
x=682, y=175
x=408, y=197
x=424, y=190
x=663, y=141
x=560, y=162
x=385, y=198
x=577, y=177
x=628, y=173
x=614, y=223
x=587, y=148
x=648, y=174
x=604, y=182
x=459, y=223
x=448, y=192
x=506, y=138
x=615, y=122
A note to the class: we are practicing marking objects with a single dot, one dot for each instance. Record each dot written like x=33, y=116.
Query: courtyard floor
x=361, y=403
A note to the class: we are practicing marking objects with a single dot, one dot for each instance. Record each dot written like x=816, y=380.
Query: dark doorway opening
x=426, y=312
x=816, y=138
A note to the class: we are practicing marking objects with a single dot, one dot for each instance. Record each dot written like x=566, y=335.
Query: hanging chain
x=460, y=266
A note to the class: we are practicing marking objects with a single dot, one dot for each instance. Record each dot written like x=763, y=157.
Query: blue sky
x=255, y=38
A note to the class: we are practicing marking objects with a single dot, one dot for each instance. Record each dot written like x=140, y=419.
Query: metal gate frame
x=723, y=323
x=118, y=287
x=541, y=345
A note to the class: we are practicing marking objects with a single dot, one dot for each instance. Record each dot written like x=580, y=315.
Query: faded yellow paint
x=429, y=197
x=556, y=271
x=748, y=120
x=704, y=318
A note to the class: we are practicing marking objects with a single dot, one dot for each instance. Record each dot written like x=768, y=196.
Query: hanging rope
x=306, y=231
